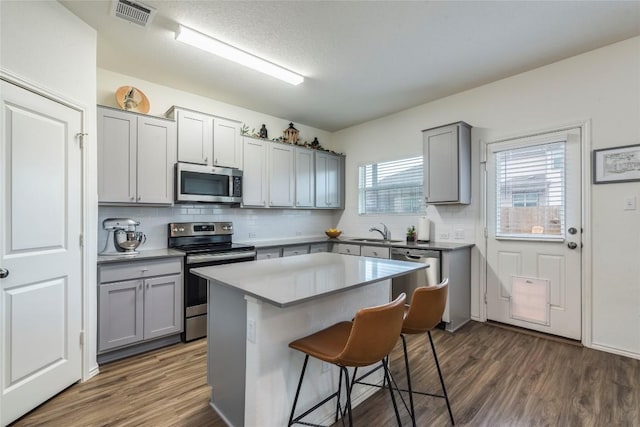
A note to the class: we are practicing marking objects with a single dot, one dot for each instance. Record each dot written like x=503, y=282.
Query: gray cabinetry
x=447, y=164
x=138, y=301
x=207, y=140
x=268, y=253
x=281, y=175
x=295, y=250
x=329, y=180
x=136, y=154
x=375, y=251
x=305, y=177
x=254, y=174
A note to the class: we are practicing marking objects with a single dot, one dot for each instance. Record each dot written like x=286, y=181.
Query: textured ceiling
x=362, y=60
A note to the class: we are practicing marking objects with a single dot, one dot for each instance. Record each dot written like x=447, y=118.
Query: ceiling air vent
x=133, y=11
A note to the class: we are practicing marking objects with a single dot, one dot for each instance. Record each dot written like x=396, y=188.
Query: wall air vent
x=133, y=11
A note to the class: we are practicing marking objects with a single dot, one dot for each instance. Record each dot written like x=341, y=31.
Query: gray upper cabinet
x=207, y=140
x=305, y=178
x=281, y=175
x=227, y=143
x=136, y=154
x=329, y=181
x=254, y=174
x=447, y=164
x=195, y=137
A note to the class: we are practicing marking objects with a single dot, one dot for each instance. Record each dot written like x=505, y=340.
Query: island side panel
x=226, y=347
x=459, y=298
x=273, y=369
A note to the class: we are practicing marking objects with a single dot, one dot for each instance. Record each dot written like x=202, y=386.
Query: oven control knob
x=181, y=229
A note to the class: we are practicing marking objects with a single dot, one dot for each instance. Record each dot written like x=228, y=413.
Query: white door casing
x=40, y=231
x=527, y=264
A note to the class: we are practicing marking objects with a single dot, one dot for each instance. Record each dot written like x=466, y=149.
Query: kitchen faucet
x=386, y=235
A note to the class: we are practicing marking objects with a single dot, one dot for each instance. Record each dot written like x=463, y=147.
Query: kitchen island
x=256, y=308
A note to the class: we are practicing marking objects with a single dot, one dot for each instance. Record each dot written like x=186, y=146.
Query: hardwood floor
x=494, y=377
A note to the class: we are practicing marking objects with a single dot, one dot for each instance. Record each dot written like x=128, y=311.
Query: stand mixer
x=123, y=239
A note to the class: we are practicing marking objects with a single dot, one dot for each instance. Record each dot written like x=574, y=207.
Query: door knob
x=573, y=230
x=3, y=273
x=572, y=245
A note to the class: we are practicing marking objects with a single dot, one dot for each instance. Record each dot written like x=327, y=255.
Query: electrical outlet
x=443, y=235
x=630, y=203
x=252, y=235
x=459, y=234
x=251, y=330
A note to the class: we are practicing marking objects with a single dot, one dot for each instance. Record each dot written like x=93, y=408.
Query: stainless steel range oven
x=205, y=244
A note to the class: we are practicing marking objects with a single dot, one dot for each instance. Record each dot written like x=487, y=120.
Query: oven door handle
x=197, y=259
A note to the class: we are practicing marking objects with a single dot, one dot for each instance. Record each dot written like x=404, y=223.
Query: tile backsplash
x=249, y=224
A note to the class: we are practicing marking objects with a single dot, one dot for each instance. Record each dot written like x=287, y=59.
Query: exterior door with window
x=534, y=233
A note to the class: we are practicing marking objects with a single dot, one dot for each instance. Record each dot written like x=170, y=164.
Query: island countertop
x=287, y=281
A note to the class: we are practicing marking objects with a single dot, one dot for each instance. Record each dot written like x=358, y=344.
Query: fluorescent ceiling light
x=209, y=44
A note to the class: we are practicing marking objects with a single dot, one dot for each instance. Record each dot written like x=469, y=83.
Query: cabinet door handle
x=140, y=287
x=132, y=198
x=139, y=198
x=147, y=286
x=206, y=159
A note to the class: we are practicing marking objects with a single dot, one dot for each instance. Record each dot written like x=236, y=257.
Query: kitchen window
x=393, y=187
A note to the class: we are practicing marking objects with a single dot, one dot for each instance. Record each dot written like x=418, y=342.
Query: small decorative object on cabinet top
x=315, y=143
x=263, y=132
x=291, y=134
x=132, y=99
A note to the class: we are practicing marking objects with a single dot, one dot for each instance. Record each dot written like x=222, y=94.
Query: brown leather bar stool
x=423, y=315
x=366, y=340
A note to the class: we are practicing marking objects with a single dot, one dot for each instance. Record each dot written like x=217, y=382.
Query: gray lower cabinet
x=138, y=302
x=295, y=250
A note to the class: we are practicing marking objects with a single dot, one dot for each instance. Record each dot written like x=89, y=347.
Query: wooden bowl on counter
x=333, y=234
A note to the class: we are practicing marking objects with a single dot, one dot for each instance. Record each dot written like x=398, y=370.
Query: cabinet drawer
x=268, y=253
x=374, y=251
x=346, y=249
x=295, y=250
x=138, y=269
x=318, y=247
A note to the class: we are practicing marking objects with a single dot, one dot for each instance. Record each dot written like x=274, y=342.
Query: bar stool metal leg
x=295, y=400
x=348, y=388
x=406, y=365
x=444, y=389
x=393, y=399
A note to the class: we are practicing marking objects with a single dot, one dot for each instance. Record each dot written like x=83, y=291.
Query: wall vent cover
x=133, y=11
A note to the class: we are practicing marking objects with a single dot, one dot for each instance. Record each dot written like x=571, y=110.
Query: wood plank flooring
x=494, y=376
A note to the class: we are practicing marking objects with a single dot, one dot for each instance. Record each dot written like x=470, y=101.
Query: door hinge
x=81, y=338
x=485, y=298
x=81, y=240
x=486, y=233
x=81, y=136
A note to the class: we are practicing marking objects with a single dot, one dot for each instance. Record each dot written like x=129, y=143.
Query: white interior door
x=40, y=253
x=534, y=233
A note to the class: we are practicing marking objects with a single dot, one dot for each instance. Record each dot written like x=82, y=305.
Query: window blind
x=393, y=187
x=530, y=190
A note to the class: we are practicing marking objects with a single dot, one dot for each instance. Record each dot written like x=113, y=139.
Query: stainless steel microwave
x=208, y=184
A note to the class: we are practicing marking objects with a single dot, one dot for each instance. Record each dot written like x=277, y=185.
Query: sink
x=370, y=240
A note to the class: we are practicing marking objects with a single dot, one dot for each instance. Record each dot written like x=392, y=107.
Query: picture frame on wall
x=616, y=164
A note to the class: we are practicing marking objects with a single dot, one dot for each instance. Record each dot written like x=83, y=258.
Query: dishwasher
x=425, y=277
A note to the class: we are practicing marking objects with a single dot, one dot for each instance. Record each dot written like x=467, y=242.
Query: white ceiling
x=361, y=60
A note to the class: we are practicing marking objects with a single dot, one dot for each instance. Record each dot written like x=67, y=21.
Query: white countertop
x=292, y=280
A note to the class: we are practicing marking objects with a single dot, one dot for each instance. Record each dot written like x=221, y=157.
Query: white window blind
x=530, y=184
x=393, y=187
